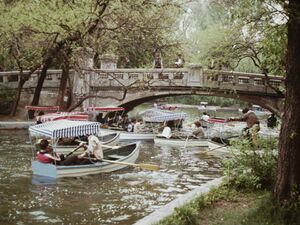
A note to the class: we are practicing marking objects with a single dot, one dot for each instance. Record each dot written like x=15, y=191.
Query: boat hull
x=182, y=142
x=136, y=136
x=57, y=171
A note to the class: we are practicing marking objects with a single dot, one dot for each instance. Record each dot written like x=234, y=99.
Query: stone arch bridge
x=143, y=85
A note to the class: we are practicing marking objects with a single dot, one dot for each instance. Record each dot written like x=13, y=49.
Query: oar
x=186, y=141
x=74, y=150
x=141, y=165
x=210, y=150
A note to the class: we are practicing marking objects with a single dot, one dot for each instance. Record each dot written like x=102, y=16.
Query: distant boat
x=167, y=107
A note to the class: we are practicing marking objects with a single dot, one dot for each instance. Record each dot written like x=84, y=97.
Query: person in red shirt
x=46, y=153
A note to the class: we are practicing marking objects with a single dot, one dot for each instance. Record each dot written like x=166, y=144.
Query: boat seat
x=116, y=156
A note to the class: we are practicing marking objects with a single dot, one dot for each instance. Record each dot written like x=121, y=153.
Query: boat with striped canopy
x=124, y=135
x=66, y=128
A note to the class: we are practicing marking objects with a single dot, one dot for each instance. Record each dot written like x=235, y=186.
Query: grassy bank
x=230, y=207
x=245, y=197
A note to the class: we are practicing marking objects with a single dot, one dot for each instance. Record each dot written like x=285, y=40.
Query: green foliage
x=252, y=167
x=226, y=33
x=130, y=29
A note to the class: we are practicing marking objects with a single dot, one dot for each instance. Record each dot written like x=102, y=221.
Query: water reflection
x=121, y=197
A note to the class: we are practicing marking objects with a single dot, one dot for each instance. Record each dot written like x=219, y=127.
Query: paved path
x=8, y=125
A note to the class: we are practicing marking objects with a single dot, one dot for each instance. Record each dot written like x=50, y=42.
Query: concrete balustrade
x=183, y=77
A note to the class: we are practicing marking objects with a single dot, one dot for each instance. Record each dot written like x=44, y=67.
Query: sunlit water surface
x=121, y=197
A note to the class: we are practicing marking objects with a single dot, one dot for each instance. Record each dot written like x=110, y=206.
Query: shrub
x=252, y=167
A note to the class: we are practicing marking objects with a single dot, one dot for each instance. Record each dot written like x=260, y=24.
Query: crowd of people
x=123, y=122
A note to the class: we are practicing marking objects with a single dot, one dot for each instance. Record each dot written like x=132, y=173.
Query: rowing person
x=46, y=154
x=199, y=131
x=92, y=150
x=252, y=127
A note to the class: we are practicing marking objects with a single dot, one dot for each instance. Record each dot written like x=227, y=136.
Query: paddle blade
x=149, y=166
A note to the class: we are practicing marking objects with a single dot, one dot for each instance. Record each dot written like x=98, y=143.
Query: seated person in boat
x=46, y=153
x=167, y=132
x=92, y=151
x=100, y=118
x=139, y=126
x=130, y=126
x=123, y=122
x=199, y=131
x=204, y=119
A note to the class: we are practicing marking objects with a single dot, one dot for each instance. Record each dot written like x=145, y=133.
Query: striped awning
x=157, y=115
x=65, y=128
x=81, y=116
x=42, y=108
x=103, y=109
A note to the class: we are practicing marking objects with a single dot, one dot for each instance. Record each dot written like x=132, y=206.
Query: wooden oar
x=186, y=141
x=141, y=165
x=74, y=150
x=210, y=150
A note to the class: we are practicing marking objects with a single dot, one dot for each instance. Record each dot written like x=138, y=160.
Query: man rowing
x=252, y=127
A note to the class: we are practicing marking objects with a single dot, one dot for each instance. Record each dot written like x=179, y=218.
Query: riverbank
x=227, y=207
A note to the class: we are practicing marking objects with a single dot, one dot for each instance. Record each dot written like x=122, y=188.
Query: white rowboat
x=66, y=128
x=126, y=154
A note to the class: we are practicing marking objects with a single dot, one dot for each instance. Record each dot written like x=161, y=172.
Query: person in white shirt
x=204, y=119
x=93, y=151
x=138, y=126
x=167, y=132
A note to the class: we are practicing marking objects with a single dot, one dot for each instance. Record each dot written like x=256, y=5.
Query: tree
x=287, y=186
x=120, y=27
x=268, y=33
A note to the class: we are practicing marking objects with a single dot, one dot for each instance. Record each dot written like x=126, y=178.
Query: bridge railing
x=183, y=77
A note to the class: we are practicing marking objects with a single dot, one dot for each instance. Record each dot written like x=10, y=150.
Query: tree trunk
x=23, y=79
x=63, y=85
x=16, y=103
x=39, y=87
x=288, y=174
